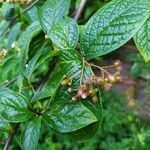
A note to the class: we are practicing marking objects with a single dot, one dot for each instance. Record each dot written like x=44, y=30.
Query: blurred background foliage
x=126, y=108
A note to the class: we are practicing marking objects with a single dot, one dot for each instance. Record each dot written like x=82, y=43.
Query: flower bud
x=91, y=91
x=83, y=87
x=13, y=45
x=117, y=63
x=107, y=86
x=84, y=95
x=119, y=68
x=65, y=81
x=119, y=79
x=70, y=89
x=94, y=99
x=111, y=78
x=80, y=92
x=96, y=89
x=74, y=98
x=106, y=80
x=46, y=36
x=99, y=80
x=117, y=74
x=70, y=83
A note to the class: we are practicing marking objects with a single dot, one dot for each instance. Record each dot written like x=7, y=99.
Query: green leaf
x=142, y=40
x=65, y=115
x=4, y=125
x=3, y=26
x=91, y=130
x=50, y=86
x=25, y=40
x=33, y=13
x=64, y=34
x=13, y=106
x=13, y=34
x=73, y=66
x=31, y=65
x=7, y=71
x=46, y=56
x=31, y=134
x=86, y=133
x=5, y=8
x=112, y=26
x=52, y=12
x=36, y=61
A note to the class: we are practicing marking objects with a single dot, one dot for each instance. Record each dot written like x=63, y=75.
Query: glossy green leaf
x=5, y=8
x=91, y=130
x=64, y=34
x=46, y=56
x=112, y=26
x=36, y=61
x=86, y=133
x=74, y=67
x=52, y=12
x=31, y=65
x=13, y=106
x=142, y=40
x=65, y=115
x=7, y=71
x=25, y=40
x=13, y=34
x=50, y=86
x=3, y=26
x=33, y=13
x=4, y=125
x=31, y=134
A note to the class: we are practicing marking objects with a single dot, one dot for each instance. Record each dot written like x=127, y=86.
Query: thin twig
x=9, y=82
x=11, y=136
x=80, y=9
x=30, y=6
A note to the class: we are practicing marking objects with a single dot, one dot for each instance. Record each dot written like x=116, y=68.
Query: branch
x=11, y=136
x=30, y=6
x=80, y=9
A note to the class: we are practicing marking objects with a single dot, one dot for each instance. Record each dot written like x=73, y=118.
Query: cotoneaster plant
x=46, y=71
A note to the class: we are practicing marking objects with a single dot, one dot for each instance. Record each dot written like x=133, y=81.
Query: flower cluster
x=90, y=87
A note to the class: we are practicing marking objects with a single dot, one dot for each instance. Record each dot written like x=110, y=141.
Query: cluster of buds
x=66, y=81
x=3, y=54
x=89, y=88
x=86, y=90
x=21, y=2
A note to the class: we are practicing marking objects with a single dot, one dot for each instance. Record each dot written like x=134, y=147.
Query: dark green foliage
x=43, y=66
